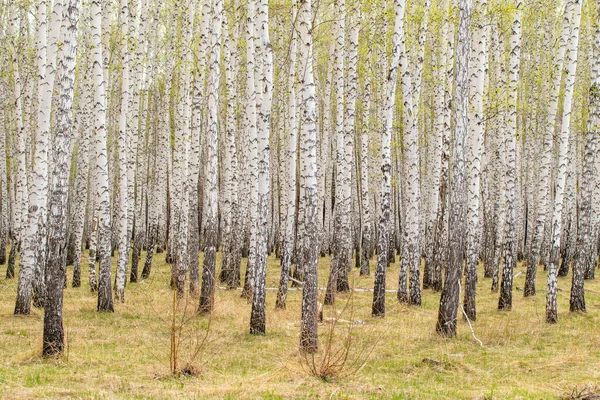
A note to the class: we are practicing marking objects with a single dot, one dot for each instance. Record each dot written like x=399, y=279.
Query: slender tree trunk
x=378, y=307
x=510, y=255
x=212, y=189
x=33, y=257
x=474, y=154
x=585, y=259
x=342, y=258
x=53, y=338
x=258, y=315
x=308, y=325
x=571, y=67
x=547, y=155
x=123, y=237
x=105, y=302
x=291, y=156
x=447, y=317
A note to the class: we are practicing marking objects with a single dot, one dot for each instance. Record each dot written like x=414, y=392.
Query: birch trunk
x=123, y=237
x=33, y=256
x=341, y=259
x=571, y=67
x=586, y=254
x=510, y=255
x=291, y=155
x=53, y=337
x=308, y=325
x=447, y=317
x=378, y=307
x=212, y=188
x=258, y=315
x=105, y=302
x=474, y=153
x=546, y=162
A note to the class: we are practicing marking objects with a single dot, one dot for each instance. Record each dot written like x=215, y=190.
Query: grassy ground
x=126, y=354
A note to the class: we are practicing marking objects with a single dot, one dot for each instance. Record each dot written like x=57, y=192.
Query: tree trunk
x=53, y=337
x=308, y=325
x=212, y=189
x=447, y=317
x=510, y=255
x=378, y=307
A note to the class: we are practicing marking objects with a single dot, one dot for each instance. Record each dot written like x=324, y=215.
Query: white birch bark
x=123, y=178
x=341, y=259
x=308, y=325
x=33, y=256
x=102, y=194
x=212, y=188
x=474, y=152
x=547, y=154
x=510, y=252
x=411, y=256
x=291, y=157
x=258, y=315
x=571, y=67
x=378, y=309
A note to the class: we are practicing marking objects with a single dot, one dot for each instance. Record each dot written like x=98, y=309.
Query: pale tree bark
x=327, y=159
x=195, y=150
x=308, y=325
x=38, y=188
x=547, y=155
x=366, y=246
x=81, y=192
x=586, y=256
x=378, y=307
x=230, y=267
x=212, y=184
x=53, y=337
x=447, y=317
x=440, y=241
x=474, y=153
x=500, y=166
x=291, y=155
x=122, y=223
x=33, y=256
x=20, y=196
x=105, y=302
x=595, y=126
x=180, y=188
x=434, y=228
x=4, y=203
x=341, y=258
x=410, y=261
x=252, y=165
x=258, y=315
x=510, y=252
x=571, y=68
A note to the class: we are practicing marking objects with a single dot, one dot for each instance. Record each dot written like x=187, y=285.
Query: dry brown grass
x=126, y=354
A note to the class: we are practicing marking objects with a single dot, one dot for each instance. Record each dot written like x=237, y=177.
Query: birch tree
x=571, y=67
x=447, y=316
x=53, y=337
x=210, y=231
x=474, y=153
x=585, y=258
x=378, y=307
x=546, y=162
x=258, y=315
x=105, y=302
x=510, y=252
x=308, y=151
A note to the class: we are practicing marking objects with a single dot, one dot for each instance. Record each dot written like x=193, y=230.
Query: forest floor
x=126, y=354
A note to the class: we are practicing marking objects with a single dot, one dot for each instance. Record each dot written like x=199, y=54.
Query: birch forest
x=399, y=198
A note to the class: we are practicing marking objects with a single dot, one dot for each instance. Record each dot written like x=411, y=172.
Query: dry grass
x=126, y=354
